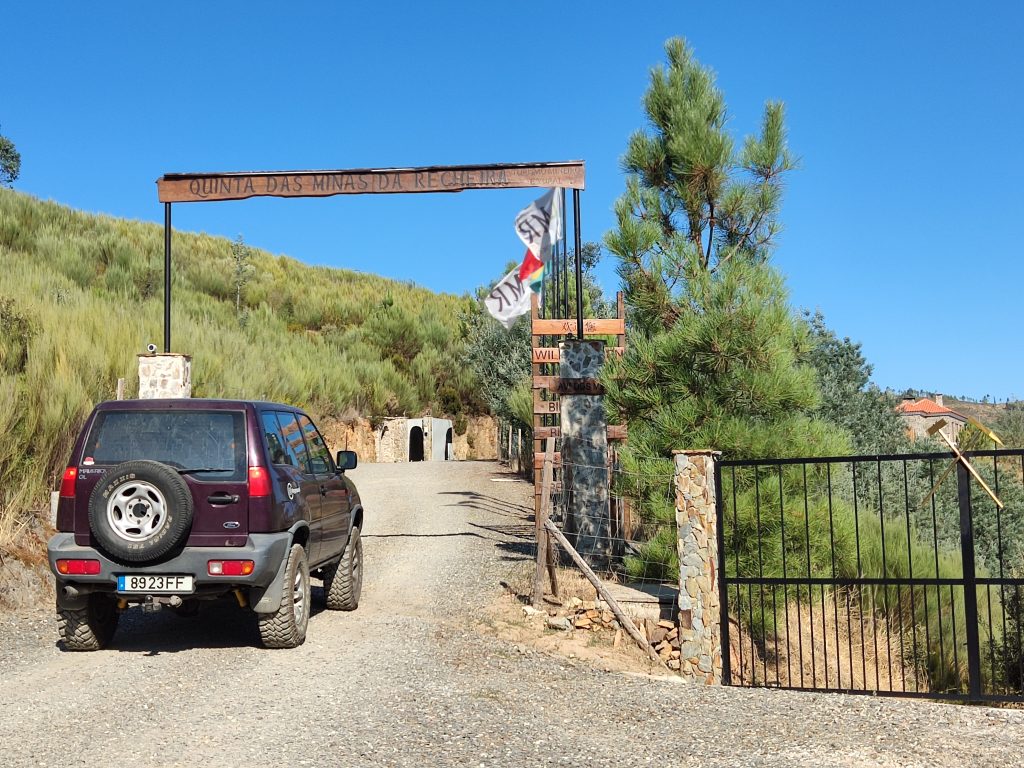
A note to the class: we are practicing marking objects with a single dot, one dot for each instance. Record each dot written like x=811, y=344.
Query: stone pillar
x=165, y=375
x=585, y=450
x=700, y=637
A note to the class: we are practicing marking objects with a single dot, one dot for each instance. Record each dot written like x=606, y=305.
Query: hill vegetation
x=81, y=295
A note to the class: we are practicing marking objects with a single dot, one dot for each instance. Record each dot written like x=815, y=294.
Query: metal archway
x=213, y=187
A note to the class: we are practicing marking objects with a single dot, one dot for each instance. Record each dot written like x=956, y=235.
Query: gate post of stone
x=584, y=433
x=165, y=375
x=700, y=635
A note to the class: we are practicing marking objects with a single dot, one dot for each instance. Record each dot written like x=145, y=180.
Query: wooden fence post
x=539, y=519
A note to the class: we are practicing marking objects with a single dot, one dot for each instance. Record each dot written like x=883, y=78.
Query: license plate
x=151, y=584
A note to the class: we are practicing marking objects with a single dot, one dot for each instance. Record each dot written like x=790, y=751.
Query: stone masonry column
x=585, y=449
x=165, y=375
x=700, y=637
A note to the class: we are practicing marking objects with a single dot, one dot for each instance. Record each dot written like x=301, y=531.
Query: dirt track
x=406, y=680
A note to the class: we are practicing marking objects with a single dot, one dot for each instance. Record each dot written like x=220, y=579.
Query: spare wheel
x=140, y=511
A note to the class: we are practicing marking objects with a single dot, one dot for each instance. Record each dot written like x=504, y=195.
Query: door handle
x=323, y=490
x=222, y=499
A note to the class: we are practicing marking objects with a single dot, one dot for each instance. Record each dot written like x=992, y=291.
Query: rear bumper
x=267, y=550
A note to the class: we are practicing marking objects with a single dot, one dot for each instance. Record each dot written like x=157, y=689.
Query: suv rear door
x=291, y=461
x=334, y=498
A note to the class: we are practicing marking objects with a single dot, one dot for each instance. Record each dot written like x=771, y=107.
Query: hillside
x=987, y=413
x=81, y=295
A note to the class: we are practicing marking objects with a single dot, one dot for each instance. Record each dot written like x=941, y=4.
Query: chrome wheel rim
x=137, y=511
x=299, y=596
x=357, y=566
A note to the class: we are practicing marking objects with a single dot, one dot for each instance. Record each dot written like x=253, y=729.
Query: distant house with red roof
x=921, y=414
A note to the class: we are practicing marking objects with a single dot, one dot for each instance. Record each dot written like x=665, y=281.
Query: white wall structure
x=425, y=439
x=165, y=375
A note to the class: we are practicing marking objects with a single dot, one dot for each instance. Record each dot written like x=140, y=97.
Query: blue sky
x=901, y=225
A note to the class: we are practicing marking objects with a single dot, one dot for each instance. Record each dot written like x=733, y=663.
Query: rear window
x=194, y=440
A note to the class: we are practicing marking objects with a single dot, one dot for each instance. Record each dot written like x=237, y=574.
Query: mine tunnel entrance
x=416, y=444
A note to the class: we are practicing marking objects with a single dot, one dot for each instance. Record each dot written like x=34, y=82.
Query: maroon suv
x=173, y=502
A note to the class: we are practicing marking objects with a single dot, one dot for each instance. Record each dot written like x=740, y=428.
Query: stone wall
x=480, y=440
x=163, y=376
x=918, y=424
x=357, y=435
x=700, y=648
x=585, y=454
x=393, y=441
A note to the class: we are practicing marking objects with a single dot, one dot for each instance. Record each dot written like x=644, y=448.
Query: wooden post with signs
x=548, y=385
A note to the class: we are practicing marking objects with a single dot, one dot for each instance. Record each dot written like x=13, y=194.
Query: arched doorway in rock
x=416, y=444
x=448, y=445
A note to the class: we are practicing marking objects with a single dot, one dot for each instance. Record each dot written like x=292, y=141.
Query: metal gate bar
x=846, y=574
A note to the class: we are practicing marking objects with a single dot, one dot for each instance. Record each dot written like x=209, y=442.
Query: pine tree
x=714, y=350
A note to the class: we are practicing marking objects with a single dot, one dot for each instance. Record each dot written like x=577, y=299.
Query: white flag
x=509, y=299
x=539, y=224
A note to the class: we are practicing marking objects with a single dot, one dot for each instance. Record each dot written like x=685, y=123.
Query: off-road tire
x=343, y=582
x=90, y=628
x=177, y=509
x=283, y=629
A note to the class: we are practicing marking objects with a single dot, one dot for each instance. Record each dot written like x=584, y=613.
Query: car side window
x=318, y=453
x=294, y=445
x=275, y=441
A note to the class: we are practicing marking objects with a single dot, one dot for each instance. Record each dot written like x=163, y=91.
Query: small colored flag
x=539, y=226
x=531, y=271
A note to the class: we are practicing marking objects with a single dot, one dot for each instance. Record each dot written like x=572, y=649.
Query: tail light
x=230, y=567
x=67, y=484
x=78, y=567
x=259, y=482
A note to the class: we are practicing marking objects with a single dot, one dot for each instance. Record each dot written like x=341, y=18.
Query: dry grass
x=832, y=644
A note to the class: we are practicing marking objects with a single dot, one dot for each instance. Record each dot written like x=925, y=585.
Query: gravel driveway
x=406, y=681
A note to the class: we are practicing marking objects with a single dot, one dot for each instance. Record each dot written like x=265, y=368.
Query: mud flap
x=268, y=599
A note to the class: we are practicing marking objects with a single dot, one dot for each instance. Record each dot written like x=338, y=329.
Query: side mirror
x=347, y=460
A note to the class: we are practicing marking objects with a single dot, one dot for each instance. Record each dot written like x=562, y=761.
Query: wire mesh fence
x=625, y=527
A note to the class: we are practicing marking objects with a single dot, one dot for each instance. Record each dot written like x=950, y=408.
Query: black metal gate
x=895, y=575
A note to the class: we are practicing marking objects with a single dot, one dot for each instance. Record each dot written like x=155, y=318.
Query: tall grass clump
x=81, y=295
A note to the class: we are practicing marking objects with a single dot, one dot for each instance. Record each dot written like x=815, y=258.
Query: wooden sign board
x=559, y=386
x=538, y=460
x=199, y=187
x=615, y=326
x=615, y=432
x=545, y=406
x=550, y=354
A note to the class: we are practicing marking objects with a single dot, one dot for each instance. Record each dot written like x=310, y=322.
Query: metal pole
x=723, y=587
x=167, y=277
x=557, y=296
x=579, y=263
x=565, y=260
x=963, y=484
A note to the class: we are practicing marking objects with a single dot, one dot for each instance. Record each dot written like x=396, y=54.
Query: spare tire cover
x=140, y=511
